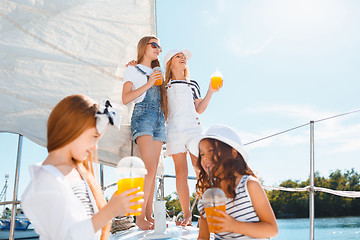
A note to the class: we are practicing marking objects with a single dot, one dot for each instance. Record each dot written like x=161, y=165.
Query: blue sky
x=284, y=63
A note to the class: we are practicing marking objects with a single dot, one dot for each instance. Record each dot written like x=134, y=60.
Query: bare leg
x=182, y=187
x=149, y=206
x=194, y=163
x=147, y=152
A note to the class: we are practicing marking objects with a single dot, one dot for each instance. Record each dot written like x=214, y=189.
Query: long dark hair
x=225, y=167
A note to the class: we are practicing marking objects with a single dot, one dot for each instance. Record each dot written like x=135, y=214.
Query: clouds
x=240, y=47
x=259, y=50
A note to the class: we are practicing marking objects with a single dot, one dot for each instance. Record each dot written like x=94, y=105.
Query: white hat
x=173, y=52
x=224, y=134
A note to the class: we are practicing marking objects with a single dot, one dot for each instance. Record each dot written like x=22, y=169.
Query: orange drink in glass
x=216, y=80
x=213, y=198
x=158, y=76
x=131, y=172
x=129, y=183
x=210, y=212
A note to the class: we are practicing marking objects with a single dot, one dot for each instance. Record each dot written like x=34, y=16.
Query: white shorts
x=178, y=140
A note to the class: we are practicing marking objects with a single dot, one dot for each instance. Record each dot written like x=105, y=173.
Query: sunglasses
x=155, y=45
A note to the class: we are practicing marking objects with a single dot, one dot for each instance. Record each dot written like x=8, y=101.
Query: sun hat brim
x=194, y=144
x=173, y=52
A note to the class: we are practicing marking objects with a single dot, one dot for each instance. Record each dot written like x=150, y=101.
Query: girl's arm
x=204, y=233
x=267, y=227
x=118, y=205
x=129, y=95
x=201, y=104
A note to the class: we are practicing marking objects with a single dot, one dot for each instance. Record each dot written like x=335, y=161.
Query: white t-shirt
x=138, y=79
x=54, y=209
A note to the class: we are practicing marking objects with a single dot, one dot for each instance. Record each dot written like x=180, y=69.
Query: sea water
x=325, y=228
x=344, y=228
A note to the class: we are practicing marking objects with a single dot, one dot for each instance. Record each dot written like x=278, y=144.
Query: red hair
x=67, y=121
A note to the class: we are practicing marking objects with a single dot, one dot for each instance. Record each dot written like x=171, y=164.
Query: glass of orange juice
x=213, y=198
x=131, y=172
x=158, y=76
x=216, y=79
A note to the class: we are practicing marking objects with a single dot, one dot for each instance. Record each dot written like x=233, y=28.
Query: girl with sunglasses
x=147, y=121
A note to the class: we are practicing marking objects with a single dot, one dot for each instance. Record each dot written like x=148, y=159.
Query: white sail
x=52, y=49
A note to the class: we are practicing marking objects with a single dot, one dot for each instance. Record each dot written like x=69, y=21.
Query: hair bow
x=107, y=114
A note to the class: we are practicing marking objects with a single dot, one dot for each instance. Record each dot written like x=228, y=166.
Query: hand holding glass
x=216, y=80
x=158, y=76
x=213, y=198
x=131, y=172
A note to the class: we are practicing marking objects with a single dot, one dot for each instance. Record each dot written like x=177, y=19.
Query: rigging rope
x=303, y=125
x=350, y=194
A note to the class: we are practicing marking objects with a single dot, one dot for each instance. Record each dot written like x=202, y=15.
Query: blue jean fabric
x=148, y=117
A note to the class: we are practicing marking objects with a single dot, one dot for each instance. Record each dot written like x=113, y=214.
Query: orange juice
x=210, y=212
x=216, y=82
x=128, y=183
x=159, y=79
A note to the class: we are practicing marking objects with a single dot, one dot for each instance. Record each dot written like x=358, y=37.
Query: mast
x=3, y=191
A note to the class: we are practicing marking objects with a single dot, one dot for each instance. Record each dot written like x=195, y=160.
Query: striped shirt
x=195, y=88
x=240, y=208
x=81, y=192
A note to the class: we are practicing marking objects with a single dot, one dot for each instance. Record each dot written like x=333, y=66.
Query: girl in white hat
x=248, y=212
x=182, y=104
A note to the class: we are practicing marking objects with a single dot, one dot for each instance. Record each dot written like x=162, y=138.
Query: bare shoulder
x=254, y=186
x=252, y=181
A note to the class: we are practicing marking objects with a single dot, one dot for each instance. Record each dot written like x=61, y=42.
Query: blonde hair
x=67, y=121
x=141, y=48
x=163, y=91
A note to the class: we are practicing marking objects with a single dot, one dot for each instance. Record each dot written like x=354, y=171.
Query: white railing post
x=311, y=189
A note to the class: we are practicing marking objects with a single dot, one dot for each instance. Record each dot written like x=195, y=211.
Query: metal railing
x=311, y=188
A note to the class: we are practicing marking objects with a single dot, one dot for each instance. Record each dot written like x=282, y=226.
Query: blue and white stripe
x=80, y=190
x=240, y=208
x=195, y=88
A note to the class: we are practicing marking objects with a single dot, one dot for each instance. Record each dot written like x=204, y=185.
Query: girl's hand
x=152, y=78
x=226, y=222
x=120, y=203
x=131, y=63
x=211, y=89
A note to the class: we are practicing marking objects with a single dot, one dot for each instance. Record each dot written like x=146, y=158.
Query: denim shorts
x=147, y=120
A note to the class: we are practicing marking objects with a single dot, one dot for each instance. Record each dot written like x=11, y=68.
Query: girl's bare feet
x=150, y=219
x=144, y=224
